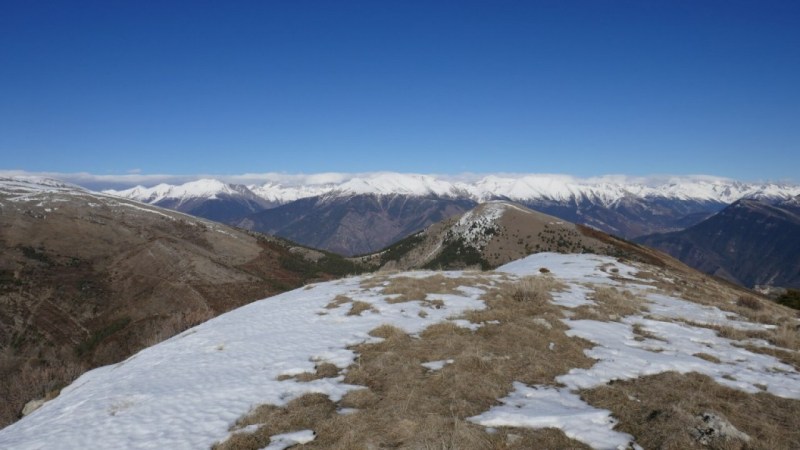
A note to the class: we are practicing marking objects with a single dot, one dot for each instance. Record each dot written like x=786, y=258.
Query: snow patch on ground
x=586, y=268
x=437, y=365
x=286, y=440
x=622, y=355
x=667, y=307
x=187, y=391
x=549, y=407
x=573, y=297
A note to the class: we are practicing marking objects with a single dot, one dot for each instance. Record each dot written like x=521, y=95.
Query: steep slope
x=749, y=242
x=596, y=352
x=207, y=198
x=86, y=279
x=354, y=224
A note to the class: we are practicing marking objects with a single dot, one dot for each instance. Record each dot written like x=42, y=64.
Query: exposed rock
x=712, y=429
x=32, y=406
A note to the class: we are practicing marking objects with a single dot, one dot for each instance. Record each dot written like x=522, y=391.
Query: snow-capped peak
x=605, y=191
x=397, y=183
x=203, y=188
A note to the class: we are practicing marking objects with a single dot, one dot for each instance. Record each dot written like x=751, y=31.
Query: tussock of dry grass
x=747, y=301
x=338, y=301
x=641, y=333
x=359, y=307
x=405, y=405
x=299, y=414
x=610, y=304
x=708, y=357
x=660, y=410
x=322, y=370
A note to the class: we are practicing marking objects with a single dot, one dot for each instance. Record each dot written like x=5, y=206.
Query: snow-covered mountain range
x=355, y=214
x=604, y=191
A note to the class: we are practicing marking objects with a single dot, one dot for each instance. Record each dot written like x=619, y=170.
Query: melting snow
x=286, y=440
x=549, y=407
x=187, y=391
x=437, y=365
x=621, y=356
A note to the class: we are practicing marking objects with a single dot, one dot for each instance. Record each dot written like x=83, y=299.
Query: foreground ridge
x=313, y=351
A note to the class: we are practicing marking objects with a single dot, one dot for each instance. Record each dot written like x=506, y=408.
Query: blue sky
x=583, y=88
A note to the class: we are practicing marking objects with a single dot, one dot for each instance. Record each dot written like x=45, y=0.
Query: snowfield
x=188, y=391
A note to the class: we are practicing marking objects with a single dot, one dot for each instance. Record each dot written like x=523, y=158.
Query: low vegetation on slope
x=87, y=280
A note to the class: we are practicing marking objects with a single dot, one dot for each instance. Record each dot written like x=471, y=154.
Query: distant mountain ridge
x=750, y=242
x=520, y=188
x=365, y=213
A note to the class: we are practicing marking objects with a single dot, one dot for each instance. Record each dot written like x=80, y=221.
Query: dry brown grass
x=708, y=357
x=406, y=406
x=359, y=307
x=785, y=335
x=640, y=333
x=702, y=289
x=302, y=413
x=660, y=410
x=32, y=381
x=750, y=302
x=610, y=304
x=409, y=289
x=322, y=370
x=338, y=301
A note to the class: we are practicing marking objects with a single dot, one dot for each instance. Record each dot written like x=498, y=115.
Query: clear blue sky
x=583, y=88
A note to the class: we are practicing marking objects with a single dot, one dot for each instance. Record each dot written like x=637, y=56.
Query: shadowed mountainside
x=749, y=242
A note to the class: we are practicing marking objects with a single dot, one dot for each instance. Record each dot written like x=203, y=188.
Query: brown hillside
x=87, y=279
